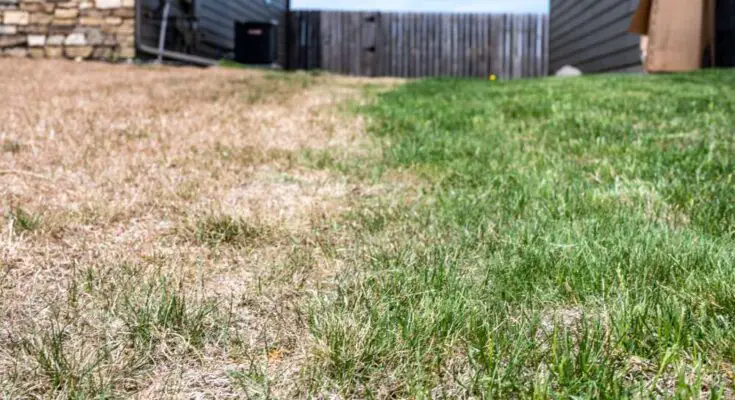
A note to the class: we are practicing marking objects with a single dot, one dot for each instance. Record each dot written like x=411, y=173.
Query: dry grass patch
x=161, y=228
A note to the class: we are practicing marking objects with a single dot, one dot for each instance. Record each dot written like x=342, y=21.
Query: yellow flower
x=493, y=77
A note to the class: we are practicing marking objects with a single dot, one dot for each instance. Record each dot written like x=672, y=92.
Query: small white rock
x=76, y=39
x=55, y=40
x=568, y=71
x=36, y=40
x=108, y=3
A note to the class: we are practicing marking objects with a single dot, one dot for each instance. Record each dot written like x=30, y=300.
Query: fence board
x=419, y=45
x=508, y=46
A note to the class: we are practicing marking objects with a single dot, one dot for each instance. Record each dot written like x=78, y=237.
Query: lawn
x=237, y=233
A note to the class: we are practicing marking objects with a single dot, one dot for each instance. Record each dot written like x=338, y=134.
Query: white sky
x=520, y=6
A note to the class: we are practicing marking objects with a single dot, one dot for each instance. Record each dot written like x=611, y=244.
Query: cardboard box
x=680, y=33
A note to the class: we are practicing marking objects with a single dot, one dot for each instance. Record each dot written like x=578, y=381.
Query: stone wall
x=100, y=29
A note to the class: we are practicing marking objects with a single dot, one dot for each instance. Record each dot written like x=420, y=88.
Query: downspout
x=161, y=52
x=162, y=34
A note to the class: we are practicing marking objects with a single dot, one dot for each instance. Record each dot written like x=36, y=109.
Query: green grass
x=23, y=221
x=575, y=239
x=220, y=229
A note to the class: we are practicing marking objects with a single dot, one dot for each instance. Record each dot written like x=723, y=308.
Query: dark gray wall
x=206, y=27
x=725, y=31
x=592, y=35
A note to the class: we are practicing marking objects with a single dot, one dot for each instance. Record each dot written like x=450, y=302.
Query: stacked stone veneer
x=100, y=29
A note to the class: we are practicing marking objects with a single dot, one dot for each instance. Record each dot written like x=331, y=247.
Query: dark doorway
x=725, y=33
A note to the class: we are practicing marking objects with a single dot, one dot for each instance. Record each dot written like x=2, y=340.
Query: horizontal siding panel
x=607, y=51
x=594, y=18
x=571, y=8
x=592, y=35
x=620, y=60
x=580, y=10
x=612, y=31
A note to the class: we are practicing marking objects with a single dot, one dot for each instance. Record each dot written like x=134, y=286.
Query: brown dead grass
x=142, y=183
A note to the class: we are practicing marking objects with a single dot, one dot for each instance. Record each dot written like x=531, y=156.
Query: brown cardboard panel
x=708, y=29
x=641, y=18
x=675, y=33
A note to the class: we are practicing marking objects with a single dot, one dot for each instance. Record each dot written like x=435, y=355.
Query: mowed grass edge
x=572, y=238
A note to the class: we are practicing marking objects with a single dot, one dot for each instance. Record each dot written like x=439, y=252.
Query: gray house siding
x=592, y=35
x=206, y=28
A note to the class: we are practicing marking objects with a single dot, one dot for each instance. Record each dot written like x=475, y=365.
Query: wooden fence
x=419, y=45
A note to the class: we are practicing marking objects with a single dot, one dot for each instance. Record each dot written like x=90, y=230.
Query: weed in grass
x=65, y=369
x=10, y=146
x=160, y=308
x=23, y=221
x=253, y=381
x=217, y=230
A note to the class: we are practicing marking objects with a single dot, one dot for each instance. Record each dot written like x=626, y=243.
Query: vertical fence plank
x=381, y=44
x=472, y=45
x=317, y=40
x=464, y=45
x=496, y=45
x=425, y=45
x=346, y=40
x=508, y=46
x=420, y=44
x=541, y=39
x=369, y=48
x=507, y=42
x=538, y=37
x=356, y=31
x=330, y=19
x=416, y=60
x=479, y=46
x=412, y=45
x=545, y=52
x=462, y=42
x=397, y=30
x=445, y=44
x=524, y=47
x=407, y=55
x=430, y=43
x=438, y=48
x=326, y=39
x=531, y=45
x=517, y=37
x=455, y=44
x=485, y=46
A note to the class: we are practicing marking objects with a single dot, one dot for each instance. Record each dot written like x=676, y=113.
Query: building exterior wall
x=99, y=29
x=592, y=35
x=206, y=28
x=217, y=20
